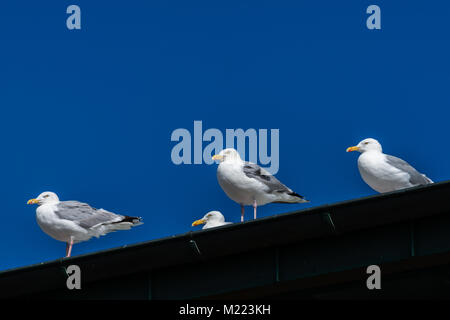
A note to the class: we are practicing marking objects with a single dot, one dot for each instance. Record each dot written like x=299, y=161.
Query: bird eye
x=46, y=196
x=366, y=142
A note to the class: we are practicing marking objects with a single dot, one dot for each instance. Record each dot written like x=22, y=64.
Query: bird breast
x=235, y=182
x=55, y=227
x=378, y=174
x=45, y=215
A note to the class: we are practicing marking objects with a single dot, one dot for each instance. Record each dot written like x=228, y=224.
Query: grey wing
x=84, y=215
x=254, y=171
x=415, y=177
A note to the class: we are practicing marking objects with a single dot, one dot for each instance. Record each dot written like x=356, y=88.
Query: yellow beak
x=217, y=157
x=197, y=222
x=352, y=149
x=33, y=201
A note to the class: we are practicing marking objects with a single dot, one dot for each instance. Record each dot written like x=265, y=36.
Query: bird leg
x=254, y=209
x=69, y=247
x=242, y=213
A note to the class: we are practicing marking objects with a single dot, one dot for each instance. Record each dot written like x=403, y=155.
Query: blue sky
x=89, y=113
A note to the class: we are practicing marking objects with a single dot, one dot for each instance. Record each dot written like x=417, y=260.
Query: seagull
x=73, y=221
x=385, y=173
x=211, y=219
x=248, y=184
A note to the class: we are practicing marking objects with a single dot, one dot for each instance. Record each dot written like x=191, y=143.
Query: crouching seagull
x=211, y=219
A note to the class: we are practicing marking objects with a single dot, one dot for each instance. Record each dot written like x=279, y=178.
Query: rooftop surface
x=314, y=253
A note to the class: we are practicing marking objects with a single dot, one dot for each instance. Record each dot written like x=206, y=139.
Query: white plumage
x=73, y=221
x=211, y=219
x=248, y=184
x=383, y=172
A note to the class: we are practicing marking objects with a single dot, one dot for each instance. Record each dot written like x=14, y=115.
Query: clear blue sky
x=88, y=114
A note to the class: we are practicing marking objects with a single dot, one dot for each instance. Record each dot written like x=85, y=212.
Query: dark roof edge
x=190, y=234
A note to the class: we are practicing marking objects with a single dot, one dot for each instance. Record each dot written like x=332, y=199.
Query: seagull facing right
x=385, y=173
x=211, y=219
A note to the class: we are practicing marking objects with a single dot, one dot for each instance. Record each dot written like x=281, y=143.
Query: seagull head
x=227, y=154
x=214, y=216
x=45, y=198
x=368, y=144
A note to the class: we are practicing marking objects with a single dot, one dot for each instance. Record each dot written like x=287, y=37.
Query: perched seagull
x=73, y=221
x=211, y=219
x=383, y=172
x=248, y=184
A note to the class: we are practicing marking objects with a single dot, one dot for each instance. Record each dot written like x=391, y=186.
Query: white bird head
x=368, y=144
x=227, y=154
x=212, y=216
x=45, y=198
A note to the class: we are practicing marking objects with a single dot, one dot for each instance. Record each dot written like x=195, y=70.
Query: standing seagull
x=211, y=219
x=248, y=184
x=73, y=221
x=385, y=173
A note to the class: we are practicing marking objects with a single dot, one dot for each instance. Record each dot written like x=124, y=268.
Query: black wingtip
x=297, y=195
x=133, y=220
